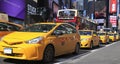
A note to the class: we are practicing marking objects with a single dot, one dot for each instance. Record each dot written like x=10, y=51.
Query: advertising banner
x=113, y=21
x=112, y=6
x=100, y=9
x=14, y=8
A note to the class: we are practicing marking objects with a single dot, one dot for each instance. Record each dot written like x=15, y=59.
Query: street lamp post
x=107, y=14
x=94, y=9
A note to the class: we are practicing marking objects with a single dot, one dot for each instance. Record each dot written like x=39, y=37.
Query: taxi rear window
x=101, y=33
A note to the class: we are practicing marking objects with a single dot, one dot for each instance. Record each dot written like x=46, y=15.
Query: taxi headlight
x=35, y=40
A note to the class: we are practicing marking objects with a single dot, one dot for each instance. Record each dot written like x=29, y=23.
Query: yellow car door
x=58, y=43
x=95, y=39
x=71, y=37
x=59, y=36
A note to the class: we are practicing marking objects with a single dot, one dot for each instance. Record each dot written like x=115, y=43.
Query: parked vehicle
x=41, y=41
x=8, y=27
x=73, y=17
x=89, y=38
x=104, y=37
x=112, y=37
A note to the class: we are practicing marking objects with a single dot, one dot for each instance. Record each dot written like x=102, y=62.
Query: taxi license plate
x=7, y=50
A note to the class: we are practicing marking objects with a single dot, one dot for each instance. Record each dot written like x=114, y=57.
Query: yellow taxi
x=117, y=36
x=89, y=38
x=104, y=38
x=9, y=27
x=41, y=41
x=112, y=37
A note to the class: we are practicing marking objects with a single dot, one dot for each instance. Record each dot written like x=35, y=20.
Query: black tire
x=108, y=40
x=98, y=44
x=91, y=45
x=77, y=49
x=48, y=54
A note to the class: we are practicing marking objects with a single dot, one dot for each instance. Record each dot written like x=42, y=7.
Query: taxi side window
x=70, y=29
x=60, y=30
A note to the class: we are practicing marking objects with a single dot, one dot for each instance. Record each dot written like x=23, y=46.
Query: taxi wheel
x=108, y=40
x=48, y=54
x=77, y=49
x=98, y=44
x=91, y=45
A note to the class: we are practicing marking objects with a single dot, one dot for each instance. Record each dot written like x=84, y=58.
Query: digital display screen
x=14, y=8
x=100, y=9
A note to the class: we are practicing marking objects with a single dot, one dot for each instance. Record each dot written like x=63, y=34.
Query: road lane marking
x=103, y=47
x=82, y=56
x=95, y=51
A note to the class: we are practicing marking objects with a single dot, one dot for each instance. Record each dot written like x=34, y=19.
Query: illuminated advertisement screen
x=14, y=8
x=113, y=20
x=113, y=6
x=100, y=9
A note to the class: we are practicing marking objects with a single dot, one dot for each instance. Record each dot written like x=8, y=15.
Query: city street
x=106, y=54
x=59, y=31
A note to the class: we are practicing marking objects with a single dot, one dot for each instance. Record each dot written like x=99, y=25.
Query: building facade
x=18, y=10
x=53, y=6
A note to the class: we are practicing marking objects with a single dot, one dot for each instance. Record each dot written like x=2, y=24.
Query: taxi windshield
x=101, y=33
x=66, y=14
x=85, y=32
x=39, y=28
x=111, y=34
x=115, y=34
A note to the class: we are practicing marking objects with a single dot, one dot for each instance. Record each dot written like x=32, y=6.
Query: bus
x=73, y=17
x=68, y=15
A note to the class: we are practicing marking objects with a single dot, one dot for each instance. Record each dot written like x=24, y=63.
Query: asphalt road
x=106, y=54
x=110, y=54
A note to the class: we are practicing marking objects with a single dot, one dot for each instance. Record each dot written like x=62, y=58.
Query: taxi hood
x=85, y=36
x=22, y=36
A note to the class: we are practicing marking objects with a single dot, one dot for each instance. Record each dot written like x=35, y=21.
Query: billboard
x=100, y=9
x=113, y=21
x=14, y=8
x=112, y=6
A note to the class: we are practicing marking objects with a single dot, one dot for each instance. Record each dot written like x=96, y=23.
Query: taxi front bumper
x=103, y=41
x=85, y=44
x=24, y=52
